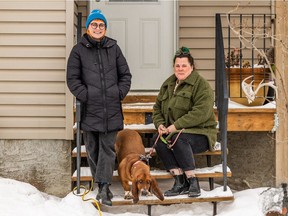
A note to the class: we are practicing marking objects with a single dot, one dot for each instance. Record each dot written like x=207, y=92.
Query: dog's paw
x=135, y=201
x=128, y=195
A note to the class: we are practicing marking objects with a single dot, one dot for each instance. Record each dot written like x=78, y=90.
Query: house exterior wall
x=45, y=164
x=251, y=158
x=34, y=43
x=36, y=107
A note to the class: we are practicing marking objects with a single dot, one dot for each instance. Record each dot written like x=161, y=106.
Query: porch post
x=281, y=59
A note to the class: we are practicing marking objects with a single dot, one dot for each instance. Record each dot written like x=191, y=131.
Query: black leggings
x=181, y=154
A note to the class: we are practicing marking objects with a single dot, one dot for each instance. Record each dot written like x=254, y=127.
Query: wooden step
x=216, y=195
x=140, y=128
x=147, y=150
x=207, y=172
x=140, y=98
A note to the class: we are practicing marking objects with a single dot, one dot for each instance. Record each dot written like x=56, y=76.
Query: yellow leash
x=89, y=199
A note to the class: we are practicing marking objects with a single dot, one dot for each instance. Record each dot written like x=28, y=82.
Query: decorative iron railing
x=248, y=47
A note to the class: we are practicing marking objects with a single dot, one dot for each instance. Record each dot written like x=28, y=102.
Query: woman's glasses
x=182, y=51
x=95, y=25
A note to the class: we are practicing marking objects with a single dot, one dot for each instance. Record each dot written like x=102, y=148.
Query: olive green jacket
x=190, y=107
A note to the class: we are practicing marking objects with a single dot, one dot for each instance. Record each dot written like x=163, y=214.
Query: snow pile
x=22, y=199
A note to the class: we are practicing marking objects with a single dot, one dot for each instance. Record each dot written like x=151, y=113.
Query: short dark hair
x=184, y=52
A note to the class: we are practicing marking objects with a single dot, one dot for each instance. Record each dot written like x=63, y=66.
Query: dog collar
x=145, y=158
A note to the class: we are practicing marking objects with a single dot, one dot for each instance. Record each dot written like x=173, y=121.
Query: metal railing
x=78, y=116
x=221, y=95
x=245, y=36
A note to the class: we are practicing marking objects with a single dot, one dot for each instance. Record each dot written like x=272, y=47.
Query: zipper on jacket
x=103, y=87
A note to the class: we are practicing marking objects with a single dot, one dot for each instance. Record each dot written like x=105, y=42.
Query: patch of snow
x=22, y=199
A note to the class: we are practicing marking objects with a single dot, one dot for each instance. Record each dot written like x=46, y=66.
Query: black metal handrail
x=221, y=98
x=78, y=116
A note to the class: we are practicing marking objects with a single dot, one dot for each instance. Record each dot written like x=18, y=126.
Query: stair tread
x=213, y=172
x=147, y=150
x=215, y=195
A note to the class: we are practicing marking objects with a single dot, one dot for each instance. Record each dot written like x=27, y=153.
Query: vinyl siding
x=196, y=28
x=83, y=8
x=35, y=37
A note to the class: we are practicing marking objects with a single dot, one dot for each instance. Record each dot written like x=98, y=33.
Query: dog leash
x=89, y=199
x=171, y=145
x=153, y=147
x=167, y=142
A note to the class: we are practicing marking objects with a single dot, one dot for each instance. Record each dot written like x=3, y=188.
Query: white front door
x=145, y=31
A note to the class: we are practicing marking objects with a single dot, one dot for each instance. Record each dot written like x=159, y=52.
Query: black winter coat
x=98, y=75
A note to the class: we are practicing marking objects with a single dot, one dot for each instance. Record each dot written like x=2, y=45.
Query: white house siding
x=35, y=38
x=196, y=28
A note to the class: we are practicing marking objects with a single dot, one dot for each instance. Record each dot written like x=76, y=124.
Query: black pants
x=100, y=154
x=181, y=154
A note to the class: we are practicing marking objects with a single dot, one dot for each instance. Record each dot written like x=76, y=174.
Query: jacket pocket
x=183, y=100
x=164, y=102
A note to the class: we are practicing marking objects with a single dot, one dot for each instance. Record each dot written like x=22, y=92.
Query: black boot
x=110, y=194
x=194, y=188
x=104, y=194
x=180, y=186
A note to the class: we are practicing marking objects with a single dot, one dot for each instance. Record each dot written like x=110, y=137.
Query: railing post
x=221, y=95
x=78, y=117
x=78, y=141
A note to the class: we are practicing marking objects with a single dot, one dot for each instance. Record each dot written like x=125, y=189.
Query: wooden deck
x=137, y=109
x=239, y=119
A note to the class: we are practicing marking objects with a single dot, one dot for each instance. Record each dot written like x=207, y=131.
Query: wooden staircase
x=206, y=172
x=137, y=116
x=210, y=172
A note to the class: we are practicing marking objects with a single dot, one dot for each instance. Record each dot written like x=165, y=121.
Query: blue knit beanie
x=95, y=14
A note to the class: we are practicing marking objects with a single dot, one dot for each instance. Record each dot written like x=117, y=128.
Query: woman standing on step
x=98, y=75
x=184, y=116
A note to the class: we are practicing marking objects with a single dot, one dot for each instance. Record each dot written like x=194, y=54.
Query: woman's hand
x=171, y=129
x=162, y=130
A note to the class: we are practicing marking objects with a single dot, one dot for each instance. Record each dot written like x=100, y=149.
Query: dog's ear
x=135, y=191
x=156, y=190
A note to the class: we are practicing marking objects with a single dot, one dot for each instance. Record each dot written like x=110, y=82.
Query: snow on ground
x=22, y=199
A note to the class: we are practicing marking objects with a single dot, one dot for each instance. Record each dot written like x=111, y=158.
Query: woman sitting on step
x=184, y=116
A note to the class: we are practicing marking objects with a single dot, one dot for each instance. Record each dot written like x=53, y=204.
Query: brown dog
x=131, y=168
